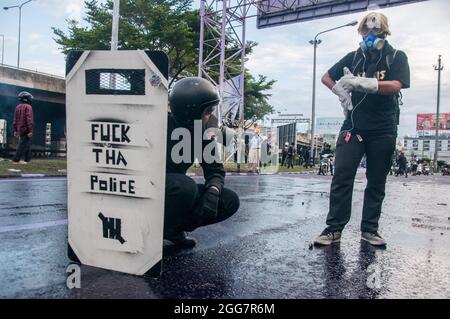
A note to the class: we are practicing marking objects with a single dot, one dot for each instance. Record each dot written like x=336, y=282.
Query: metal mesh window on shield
x=115, y=82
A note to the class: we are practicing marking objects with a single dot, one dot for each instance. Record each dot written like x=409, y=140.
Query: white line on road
x=34, y=179
x=12, y=228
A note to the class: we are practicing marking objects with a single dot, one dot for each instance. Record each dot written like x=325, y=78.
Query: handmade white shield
x=116, y=104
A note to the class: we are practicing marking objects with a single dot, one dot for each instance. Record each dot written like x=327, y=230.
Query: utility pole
x=3, y=47
x=20, y=23
x=115, y=25
x=114, y=37
x=315, y=43
x=439, y=67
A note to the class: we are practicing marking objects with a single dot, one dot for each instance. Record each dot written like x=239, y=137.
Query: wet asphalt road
x=261, y=252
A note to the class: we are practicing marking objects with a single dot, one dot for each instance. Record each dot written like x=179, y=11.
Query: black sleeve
x=337, y=70
x=214, y=173
x=399, y=70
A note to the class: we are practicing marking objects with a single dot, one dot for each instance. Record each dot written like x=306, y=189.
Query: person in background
x=23, y=128
x=402, y=165
x=306, y=157
x=284, y=153
x=290, y=156
x=331, y=165
x=254, y=151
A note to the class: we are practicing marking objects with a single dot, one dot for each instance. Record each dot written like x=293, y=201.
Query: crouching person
x=189, y=205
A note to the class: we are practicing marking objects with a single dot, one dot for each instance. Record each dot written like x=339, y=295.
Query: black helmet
x=24, y=96
x=191, y=97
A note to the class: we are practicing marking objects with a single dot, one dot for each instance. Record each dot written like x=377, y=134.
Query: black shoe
x=328, y=237
x=374, y=238
x=181, y=240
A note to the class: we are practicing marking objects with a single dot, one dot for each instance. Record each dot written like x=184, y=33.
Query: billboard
x=329, y=125
x=273, y=13
x=427, y=122
x=287, y=134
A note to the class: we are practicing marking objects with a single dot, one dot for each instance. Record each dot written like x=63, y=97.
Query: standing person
x=331, y=165
x=189, y=205
x=306, y=156
x=414, y=165
x=267, y=145
x=374, y=75
x=290, y=156
x=254, y=151
x=402, y=165
x=23, y=128
x=284, y=153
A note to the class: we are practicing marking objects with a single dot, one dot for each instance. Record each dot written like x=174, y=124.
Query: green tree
x=171, y=26
x=255, y=96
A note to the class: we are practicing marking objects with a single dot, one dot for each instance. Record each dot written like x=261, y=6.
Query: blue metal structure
x=273, y=13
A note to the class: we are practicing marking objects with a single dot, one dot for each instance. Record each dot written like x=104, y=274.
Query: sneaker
x=373, y=238
x=23, y=162
x=328, y=237
x=181, y=240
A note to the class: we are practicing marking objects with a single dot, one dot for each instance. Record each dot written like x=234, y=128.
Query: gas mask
x=372, y=42
x=373, y=33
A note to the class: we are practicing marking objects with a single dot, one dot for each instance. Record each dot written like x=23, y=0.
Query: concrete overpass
x=44, y=87
x=49, y=93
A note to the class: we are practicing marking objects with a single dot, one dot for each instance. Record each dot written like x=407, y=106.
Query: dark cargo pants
x=378, y=151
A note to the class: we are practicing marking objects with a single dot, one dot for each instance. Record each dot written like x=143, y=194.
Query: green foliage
x=256, y=100
x=166, y=25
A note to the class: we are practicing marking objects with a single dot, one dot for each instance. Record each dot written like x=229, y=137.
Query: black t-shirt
x=376, y=114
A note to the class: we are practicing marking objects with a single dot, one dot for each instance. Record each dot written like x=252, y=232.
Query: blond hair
x=381, y=18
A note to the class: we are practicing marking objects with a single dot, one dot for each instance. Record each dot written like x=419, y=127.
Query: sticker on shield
x=116, y=230
x=155, y=80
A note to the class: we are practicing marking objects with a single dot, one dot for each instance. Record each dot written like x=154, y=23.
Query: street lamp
x=439, y=67
x=20, y=21
x=315, y=43
x=3, y=47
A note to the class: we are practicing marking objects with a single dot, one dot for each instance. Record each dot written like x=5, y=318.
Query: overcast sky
x=422, y=30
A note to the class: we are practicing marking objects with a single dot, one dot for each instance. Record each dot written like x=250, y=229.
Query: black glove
x=209, y=205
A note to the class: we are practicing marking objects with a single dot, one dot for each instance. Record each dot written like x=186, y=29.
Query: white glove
x=344, y=97
x=354, y=83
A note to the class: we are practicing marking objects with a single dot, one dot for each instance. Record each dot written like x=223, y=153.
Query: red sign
x=427, y=122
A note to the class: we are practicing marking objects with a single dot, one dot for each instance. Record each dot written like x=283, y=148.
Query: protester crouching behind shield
x=189, y=205
x=370, y=80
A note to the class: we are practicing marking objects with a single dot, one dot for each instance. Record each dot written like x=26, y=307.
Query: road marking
x=13, y=228
x=34, y=179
